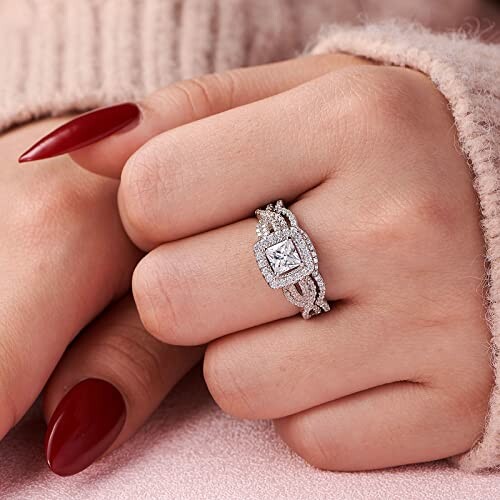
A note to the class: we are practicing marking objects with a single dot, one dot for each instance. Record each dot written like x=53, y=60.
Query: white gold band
x=287, y=259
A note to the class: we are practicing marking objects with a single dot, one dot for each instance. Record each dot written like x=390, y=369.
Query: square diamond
x=283, y=257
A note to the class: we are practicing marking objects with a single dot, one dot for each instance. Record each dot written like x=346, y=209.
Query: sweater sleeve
x=467, y=72
x=60, y=56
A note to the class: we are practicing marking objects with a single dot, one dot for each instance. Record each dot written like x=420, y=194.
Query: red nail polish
x=84, y=425
x=83, y=130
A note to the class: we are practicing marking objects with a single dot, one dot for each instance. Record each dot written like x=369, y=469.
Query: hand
x=64, y=257
x=366, y=157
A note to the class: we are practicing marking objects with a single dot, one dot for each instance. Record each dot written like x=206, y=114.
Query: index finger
x=218, y=170
x=102, y=140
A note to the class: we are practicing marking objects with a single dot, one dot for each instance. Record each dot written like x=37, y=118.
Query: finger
x=395, y=424
x=216, y=171
x=288, y=366
x=117, y=375
x=191, y=100
x=51, y=238
x=194, y=290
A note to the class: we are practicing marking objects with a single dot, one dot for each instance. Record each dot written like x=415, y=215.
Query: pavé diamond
x=283, y=257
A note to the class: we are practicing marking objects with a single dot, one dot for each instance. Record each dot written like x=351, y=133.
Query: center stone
x=283, y=257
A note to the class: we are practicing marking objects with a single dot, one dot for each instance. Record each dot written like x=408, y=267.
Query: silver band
x=287, y=259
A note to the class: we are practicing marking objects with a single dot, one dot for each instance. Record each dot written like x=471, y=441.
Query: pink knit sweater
x=59, y=56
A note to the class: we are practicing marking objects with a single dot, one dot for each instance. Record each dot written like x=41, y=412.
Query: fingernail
x=83, y=130
x=84, y=425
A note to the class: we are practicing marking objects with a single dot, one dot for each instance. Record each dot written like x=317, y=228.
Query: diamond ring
x=287, y=259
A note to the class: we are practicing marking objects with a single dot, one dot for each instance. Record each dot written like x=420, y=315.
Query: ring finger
x=192, y=291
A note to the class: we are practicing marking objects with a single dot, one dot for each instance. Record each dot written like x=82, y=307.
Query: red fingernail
x=82, y=131
x=84, y=425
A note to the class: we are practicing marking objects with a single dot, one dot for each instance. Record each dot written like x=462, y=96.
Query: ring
x=288, y=260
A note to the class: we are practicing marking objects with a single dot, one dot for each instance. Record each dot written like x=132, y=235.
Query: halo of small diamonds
x=301, y=244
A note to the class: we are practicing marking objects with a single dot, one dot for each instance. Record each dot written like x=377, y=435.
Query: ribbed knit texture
x=58, y=56
x=72, y=55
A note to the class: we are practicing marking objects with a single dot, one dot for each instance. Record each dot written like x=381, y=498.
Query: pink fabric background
x=190, y=450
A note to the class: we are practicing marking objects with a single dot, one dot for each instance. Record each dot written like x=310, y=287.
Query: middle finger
x=288, y=366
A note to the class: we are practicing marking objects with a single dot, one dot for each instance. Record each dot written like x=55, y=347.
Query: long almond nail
x=84, y=425
x=83, y=130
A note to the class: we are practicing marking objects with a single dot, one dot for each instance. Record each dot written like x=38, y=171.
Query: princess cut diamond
x=283, y=257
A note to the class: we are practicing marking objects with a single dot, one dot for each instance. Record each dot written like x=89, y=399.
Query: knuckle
x=135, y=362
x=387, y=99
x=205, y=95
x=401, y=219
x=154, y=285
x=301, y=434
x=473, y=404
x=227, y=84
x=143, y=184
x=463, y=391
x=226, y=381
x=434, y=215
x=375, y=106
x=138, y=188
x=468, y=402
x=379, y=102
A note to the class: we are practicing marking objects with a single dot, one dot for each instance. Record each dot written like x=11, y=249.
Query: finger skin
x=191, y=100
x=191, y=291
x=64, y=256
x=116, y=349
x=197, y=289
x=216, y=171
x=289, y=366
x=390, y=425
x=355, y=219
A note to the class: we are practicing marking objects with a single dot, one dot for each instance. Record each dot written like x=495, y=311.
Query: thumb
x=106, y=385
x=102, y=140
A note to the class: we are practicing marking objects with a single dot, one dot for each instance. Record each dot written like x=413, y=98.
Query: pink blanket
x=190, y=450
